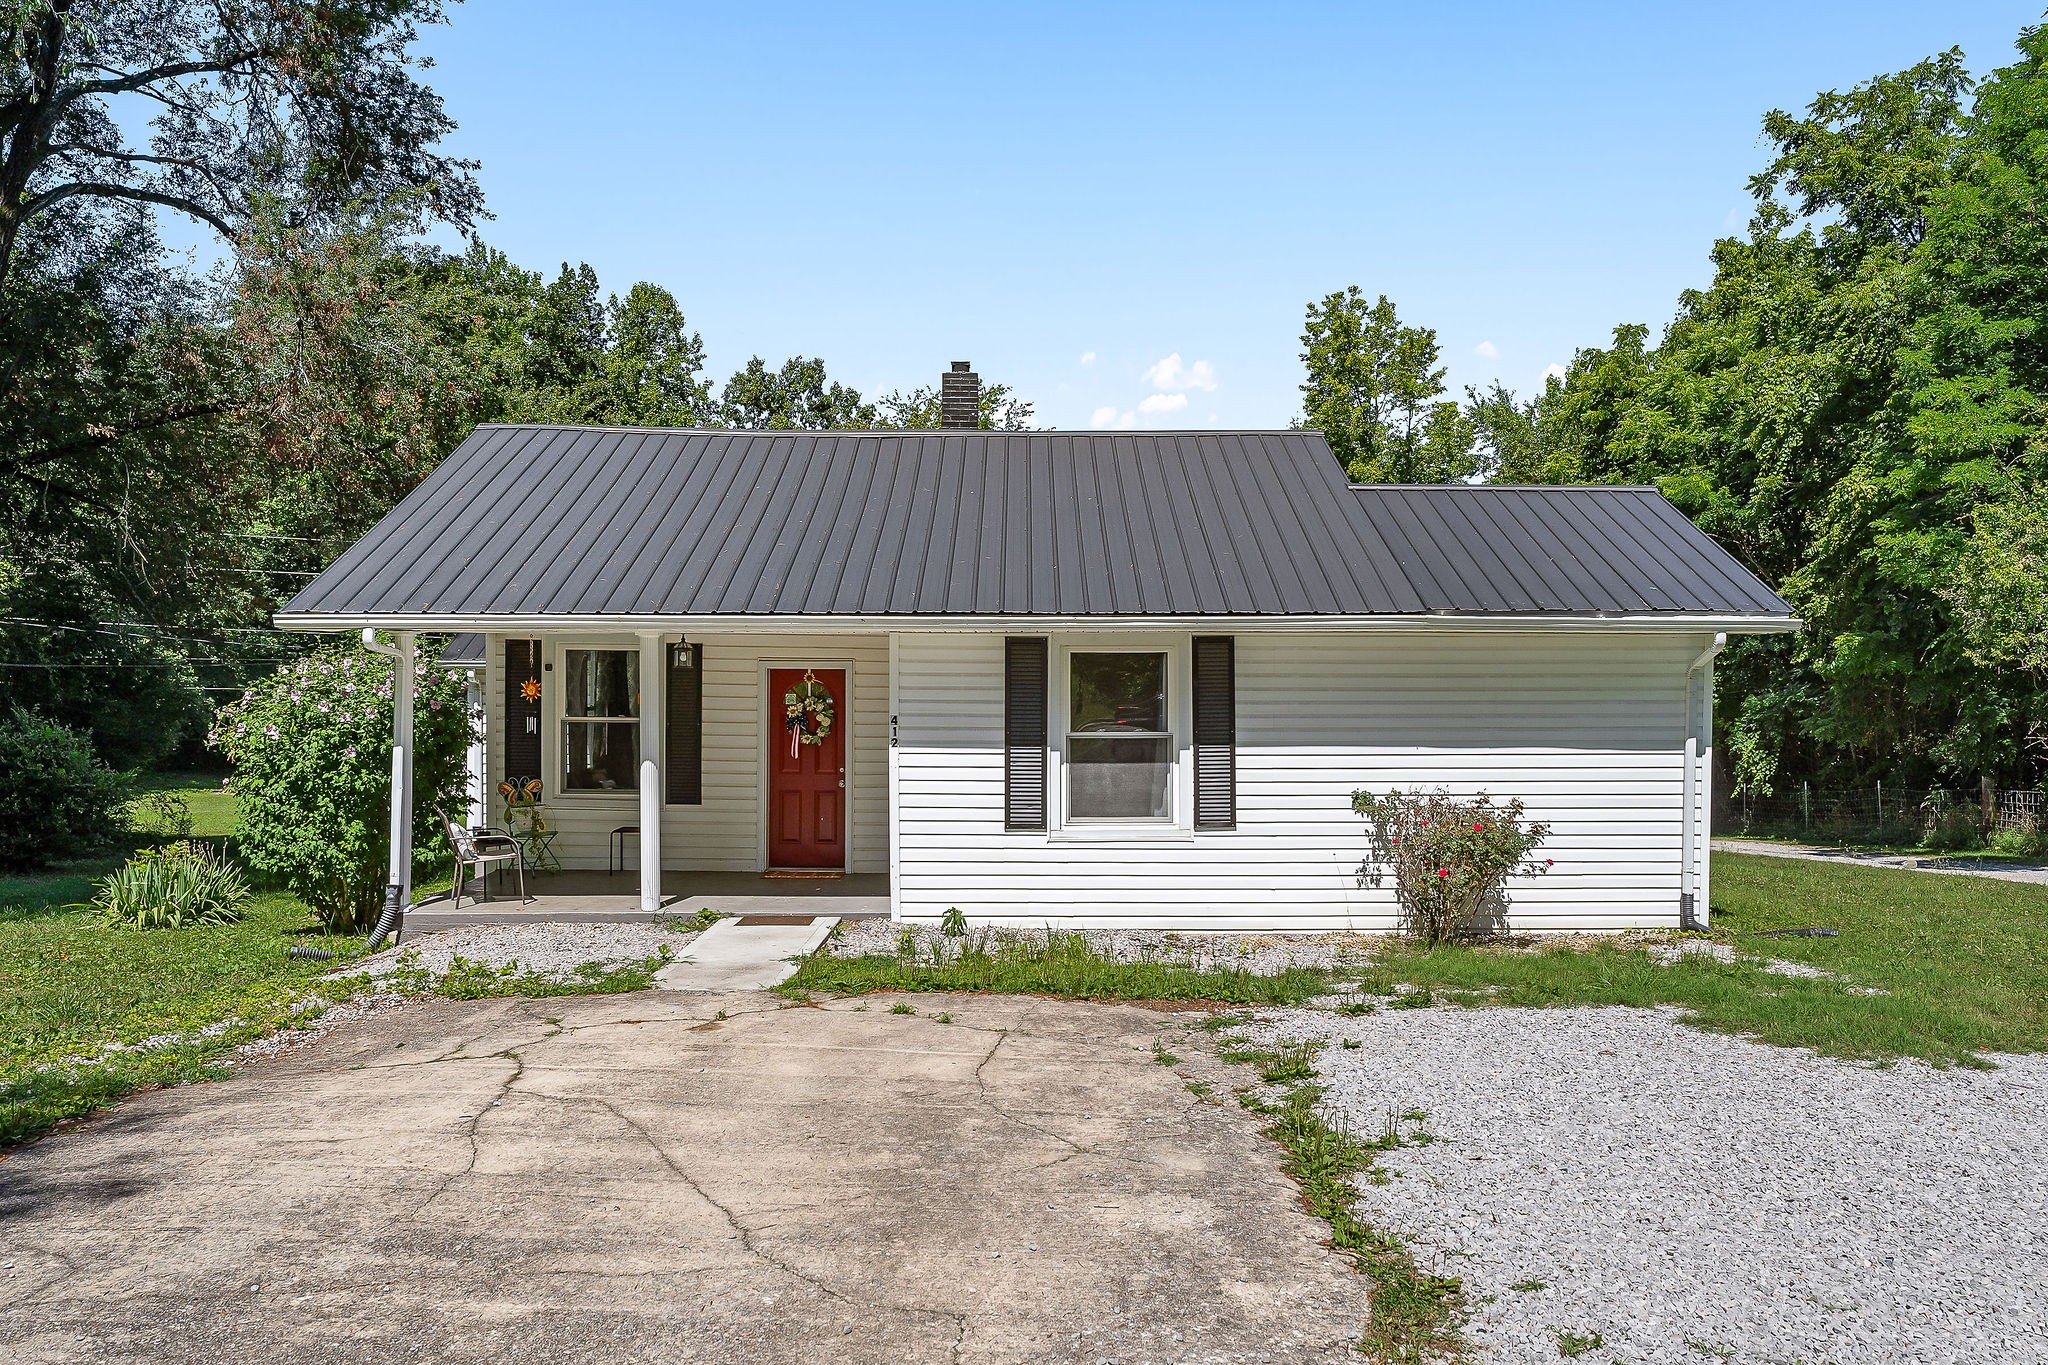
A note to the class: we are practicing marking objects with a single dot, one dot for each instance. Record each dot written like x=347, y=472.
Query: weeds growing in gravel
x=1571, y=1345
x=1051, y=963
x=1415, y=1316
x=469, y=980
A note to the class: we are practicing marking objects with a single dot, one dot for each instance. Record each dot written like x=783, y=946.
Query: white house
x=1079, y=678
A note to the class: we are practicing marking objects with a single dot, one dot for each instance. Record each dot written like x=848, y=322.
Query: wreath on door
x=807, y=712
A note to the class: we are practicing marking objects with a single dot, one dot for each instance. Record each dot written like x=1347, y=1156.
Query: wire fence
x=1951, y=818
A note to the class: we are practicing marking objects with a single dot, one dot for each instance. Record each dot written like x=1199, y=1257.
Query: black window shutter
x=683, y=726
x=522, y=716
x=1024, y=679
x=1215, y=732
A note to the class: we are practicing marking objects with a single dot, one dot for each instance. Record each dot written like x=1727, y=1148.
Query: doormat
x=744, y=920
x=802, y=874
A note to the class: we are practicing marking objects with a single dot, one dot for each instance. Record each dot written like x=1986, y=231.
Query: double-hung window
x=1119, y=760
x=600, y=719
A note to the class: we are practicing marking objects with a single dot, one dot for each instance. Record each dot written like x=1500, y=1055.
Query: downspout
x=398, y=886
x=1689, y=917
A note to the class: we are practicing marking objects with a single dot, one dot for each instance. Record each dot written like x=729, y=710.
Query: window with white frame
x=600, y=719
x=1119, y=760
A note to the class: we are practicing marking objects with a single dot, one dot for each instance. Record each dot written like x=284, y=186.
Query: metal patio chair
x=478, y=849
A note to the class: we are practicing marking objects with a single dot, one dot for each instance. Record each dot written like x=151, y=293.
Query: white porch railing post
x=653, y=673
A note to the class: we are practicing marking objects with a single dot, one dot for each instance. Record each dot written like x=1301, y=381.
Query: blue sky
x=1070, y=195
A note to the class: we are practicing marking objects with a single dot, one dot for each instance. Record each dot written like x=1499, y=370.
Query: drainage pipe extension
x=398, y=887
x=1689, y=917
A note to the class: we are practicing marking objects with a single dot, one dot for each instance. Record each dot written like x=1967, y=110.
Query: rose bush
x=311, y=747
x=1450, y=858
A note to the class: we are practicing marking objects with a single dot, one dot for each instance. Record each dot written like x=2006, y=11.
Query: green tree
x=653, y=363
x=1854, y=408
x=918, y=409
x=1375, y=391
x=797, y=397
x=203, y=108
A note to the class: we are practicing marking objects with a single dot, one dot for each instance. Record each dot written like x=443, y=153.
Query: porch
x=593, y=897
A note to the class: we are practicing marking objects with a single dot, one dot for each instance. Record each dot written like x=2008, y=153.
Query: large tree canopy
x=1375, y=391
x=1857, y=407
x=314, y=103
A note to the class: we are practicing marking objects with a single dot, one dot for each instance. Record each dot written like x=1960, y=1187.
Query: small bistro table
x=528, y=825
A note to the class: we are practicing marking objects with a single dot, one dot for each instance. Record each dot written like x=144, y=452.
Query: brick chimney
x=960, y=398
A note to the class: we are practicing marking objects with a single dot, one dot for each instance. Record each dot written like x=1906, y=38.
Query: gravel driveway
x=1693, y=1197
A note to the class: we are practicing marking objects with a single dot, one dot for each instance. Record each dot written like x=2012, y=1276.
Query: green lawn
x=70, y=985
x=1962, y=962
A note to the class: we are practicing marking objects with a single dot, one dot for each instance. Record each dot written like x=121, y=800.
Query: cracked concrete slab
x=633, y=1178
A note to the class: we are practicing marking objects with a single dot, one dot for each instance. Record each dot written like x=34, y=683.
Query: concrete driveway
x=629, y=1178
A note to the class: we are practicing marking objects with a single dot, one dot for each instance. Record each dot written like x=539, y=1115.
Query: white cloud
x=1552, y=371
x=1486, y=349
x=1155, y=403
x=1103, y=417
x=1087, y=357
x=1175, y=373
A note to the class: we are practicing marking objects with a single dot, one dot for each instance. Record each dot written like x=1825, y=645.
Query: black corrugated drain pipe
x=390, y=924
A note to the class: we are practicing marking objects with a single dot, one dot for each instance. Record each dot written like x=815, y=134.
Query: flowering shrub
x=311, y=745
x=1451, y=859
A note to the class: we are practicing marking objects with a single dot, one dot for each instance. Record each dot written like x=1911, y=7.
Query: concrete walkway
x=2036, y=873
x=630, y=1178
x=744, y=954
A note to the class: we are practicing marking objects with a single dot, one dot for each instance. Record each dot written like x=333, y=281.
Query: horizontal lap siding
x=723, y=834
x=1586, y=729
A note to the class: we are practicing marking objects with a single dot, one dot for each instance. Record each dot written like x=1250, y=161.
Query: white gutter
x=995, y=623
x=398, y=889
x=1690, y=914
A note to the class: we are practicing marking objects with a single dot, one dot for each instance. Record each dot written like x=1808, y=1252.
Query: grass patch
x=1572, y=1345
x=1415, y=1316
x=1962, y=962
x=1050, y=964
x=71, y=986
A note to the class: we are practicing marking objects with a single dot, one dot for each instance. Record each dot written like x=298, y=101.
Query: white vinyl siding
x=725, y=833
x=1588, y=729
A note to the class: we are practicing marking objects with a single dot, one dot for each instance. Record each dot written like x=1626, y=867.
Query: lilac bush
x=311, y=748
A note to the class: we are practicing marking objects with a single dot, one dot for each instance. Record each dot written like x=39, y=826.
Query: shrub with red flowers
x=1450, y=858
x=311, y=745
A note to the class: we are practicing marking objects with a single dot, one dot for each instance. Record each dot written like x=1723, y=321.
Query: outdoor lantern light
x=681, y=655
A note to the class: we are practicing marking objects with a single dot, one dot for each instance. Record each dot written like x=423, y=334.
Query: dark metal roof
x=465, y=651
x=579, y=521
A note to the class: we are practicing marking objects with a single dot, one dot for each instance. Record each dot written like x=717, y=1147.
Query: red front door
x=807, y=781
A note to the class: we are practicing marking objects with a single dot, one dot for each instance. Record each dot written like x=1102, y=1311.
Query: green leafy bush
x=1952, y=828
x=311, y=745
x=57, y=801
x=1450, y=859
x=174, y=887
x=2027, y=841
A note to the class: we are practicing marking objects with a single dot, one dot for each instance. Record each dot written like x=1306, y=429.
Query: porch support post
x=653, y=674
